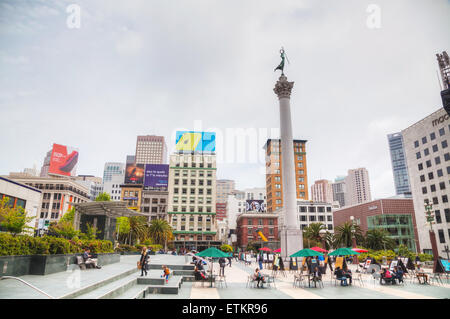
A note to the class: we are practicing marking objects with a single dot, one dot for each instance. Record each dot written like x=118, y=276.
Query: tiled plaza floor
x=60, y=284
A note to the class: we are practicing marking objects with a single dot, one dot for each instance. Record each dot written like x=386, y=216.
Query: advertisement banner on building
x=63, y=160
x=191, y=141
x=156, y=176
x=255, y=205
x=134, y=174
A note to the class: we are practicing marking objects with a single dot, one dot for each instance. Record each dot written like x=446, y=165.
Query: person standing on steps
x=144, y=261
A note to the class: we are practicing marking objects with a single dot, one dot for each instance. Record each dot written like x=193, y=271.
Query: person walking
x=229, y=261
x=144, y=261
x=222, y=264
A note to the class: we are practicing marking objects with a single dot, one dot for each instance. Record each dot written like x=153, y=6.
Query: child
x=166, y=273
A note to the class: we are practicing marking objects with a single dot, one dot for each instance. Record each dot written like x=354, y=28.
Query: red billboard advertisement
x=63, y=161
x=134, y=174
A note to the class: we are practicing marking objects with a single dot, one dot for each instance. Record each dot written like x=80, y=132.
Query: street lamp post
x=430, y=219
x=355, y=258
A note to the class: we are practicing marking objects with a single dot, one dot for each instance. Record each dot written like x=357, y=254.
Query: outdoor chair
x=318, y=283
x=299, y=279
x=270, y=280
x=360, y=280
x=376, y=277
x=251, y=282
x=221, y=280
x=436, y=278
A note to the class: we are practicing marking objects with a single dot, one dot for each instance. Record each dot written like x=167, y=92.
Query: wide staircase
x=130, y=285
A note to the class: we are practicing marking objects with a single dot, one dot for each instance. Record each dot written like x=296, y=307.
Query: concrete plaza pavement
x=73, y=280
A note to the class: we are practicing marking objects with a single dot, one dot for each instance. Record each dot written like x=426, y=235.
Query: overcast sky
x=153, y=67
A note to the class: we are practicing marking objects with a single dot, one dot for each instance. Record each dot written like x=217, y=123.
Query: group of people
x=259, y=277
x=199, y=269
x=343, y=274
x=391, y=276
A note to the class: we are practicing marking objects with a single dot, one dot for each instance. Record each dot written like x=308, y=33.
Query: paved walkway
x=60, y=284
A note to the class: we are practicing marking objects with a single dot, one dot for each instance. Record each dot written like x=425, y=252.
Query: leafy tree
x=160, y=231
x=91, y=232
x=226, y=248
x=14, y=219
x=103, y=197
x=69, y=215
x=123, y=229
x=378, y=239
x=138, y=228
x=343, y=235
x=64, y=229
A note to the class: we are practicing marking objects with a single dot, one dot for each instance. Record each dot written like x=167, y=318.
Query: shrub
x=226, y=248
x=425, y=257
x=126, y=248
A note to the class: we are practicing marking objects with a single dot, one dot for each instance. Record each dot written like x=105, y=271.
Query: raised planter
x=46, y=264
x=15, y=265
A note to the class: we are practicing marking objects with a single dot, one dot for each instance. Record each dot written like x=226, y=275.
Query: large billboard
x=63, y=160
x=156, y=176
x=190, y=141
x=134, y=174
x=255, y=205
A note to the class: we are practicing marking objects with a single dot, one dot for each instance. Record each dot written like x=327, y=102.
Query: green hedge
x=49, y=245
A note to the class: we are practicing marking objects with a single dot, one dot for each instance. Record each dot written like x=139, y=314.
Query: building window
x=426, y=152
x=424, y=140
x=439, y=173
x=441, y=236
x=418, y=155
x=437, y=160
x=428, y=163
x=444, y=198
x=432, y=136
x=416, y=144
x=441, y=132
x=420, y=166
x=430, y=176
x=435, y=201
x=435, y=148
x=422, y=178
x=447, y=156
x=312, y=218
x=432, y=188
x=302, y=209
x=447, y=215
x=424, y=190
x=437, y=214
x=444, y=144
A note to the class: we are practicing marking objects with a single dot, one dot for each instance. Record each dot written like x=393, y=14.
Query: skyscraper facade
x=339, y=190
x=151, y=149
x=358, y=187
x=274, y=184
x=398, y=160
x=428, y=157
x=321, y=191
x=113, y=177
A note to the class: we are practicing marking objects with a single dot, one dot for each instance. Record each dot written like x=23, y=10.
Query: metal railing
x=28, y=284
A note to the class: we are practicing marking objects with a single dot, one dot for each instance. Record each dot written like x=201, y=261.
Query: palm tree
x=378, y=239
x=138, y=228
x=160, y=231
x=343, y=234
x=312, y=232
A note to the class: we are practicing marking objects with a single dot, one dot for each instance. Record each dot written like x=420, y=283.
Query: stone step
x=135, y=292
x=99, y=284
x=172, y=267
x=183, y=272
x=111, y=289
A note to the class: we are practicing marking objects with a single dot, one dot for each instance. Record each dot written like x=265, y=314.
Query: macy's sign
x=440, y=120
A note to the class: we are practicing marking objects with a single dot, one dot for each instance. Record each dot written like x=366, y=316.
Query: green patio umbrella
x=343, y=252
x=306, y=252
x=212, y=252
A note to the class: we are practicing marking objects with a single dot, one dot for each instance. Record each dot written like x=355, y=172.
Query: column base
x=291, y=241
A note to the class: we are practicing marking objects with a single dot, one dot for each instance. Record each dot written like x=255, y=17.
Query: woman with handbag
x=143, y=262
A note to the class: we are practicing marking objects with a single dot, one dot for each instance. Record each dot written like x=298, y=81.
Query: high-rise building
x=321, y=191
x=398, y=160
x=192, y=200
x=113, y=177
x=339, y=190
x=151, y=149
x=427, y=153
x=46, y=165
x=358, y=187
x=224, y=188
x=274, y=183
x=94, y=184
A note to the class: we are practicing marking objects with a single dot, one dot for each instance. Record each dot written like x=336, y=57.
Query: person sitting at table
x=259, y=278
x=348, y=274
x=398, y=274
x=341, y=276
x=386, y=275
x=421, y=275
x=317, y=275
x=200, y=274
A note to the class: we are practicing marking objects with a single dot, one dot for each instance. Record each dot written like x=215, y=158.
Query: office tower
x=398, y=160
x=274, y=183
x=192, y=200
x=427, y=151
x=358, y=187
x=113, y=177
x=321, y=191
x=151, y=149
x=339, y=190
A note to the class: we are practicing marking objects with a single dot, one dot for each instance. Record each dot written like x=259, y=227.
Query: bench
x=82, y=264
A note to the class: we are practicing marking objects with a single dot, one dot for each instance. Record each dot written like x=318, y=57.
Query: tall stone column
x=290, y=235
